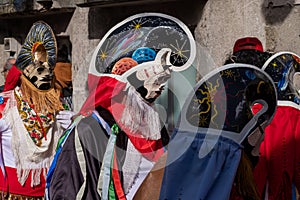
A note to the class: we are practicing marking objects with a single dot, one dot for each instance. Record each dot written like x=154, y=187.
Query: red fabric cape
x=280, y=155
x=108, y=93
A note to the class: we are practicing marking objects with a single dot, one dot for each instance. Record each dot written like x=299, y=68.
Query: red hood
x=12, y=79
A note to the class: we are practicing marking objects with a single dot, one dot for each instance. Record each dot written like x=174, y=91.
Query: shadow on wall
x=101, y=19
x=276, y=11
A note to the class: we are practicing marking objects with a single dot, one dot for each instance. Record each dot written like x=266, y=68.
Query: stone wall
x=223, y=22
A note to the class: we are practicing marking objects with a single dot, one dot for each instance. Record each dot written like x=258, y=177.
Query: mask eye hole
x=39, y=53
x=40, y=70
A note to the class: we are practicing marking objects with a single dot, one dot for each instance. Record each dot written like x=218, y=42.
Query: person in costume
x=216, y=122
x=247, y=50
x=118, y=136
x=30, y=127
x=63, y=77
x=278, y=166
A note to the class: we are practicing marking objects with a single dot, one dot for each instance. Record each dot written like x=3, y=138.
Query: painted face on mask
x=150, y=77
x=155, y=84
x=40, y=75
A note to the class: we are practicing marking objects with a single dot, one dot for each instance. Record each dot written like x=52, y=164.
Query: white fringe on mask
x=139, y=117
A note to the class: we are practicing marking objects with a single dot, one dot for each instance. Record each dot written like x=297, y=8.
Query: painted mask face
x=40, y=75
x=155, y=84
x=150, y=77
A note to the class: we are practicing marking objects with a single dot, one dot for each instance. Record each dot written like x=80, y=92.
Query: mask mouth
x=45, y=86
x=160, y=90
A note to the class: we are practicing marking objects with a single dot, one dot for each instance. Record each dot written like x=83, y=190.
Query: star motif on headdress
x=103, y=55
x=137, y=24
x=180, y=51
x=202, y=121
x=228, y=73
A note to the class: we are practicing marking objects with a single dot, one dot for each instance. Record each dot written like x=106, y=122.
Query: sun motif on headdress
x=230, y=74
x=137, y=26
x=210, y=98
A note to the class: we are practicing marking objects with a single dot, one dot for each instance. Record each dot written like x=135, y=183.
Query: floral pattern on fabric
x=37, y=124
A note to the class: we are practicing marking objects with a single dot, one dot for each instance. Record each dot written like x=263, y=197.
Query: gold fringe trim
x=8, y=196
x=43, y=101
x=244, y=180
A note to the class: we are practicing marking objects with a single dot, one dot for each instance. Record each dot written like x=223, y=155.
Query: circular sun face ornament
x=141, y=37
x=284, y=68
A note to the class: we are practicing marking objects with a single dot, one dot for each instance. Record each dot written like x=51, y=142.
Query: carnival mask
x=40, y=75
x=37, y=57
x=149, y=77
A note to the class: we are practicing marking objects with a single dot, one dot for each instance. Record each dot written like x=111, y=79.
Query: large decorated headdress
x=284, y=68
x=222, y=102
x=40, y=40
x=140, y=37
x=36, y=61
x=215, y=120
x=37, y=57
x=140, y=47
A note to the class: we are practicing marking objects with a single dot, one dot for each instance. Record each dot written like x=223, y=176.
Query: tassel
x=244, y=180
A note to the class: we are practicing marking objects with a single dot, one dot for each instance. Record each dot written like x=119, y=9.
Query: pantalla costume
x=29, y=131
x=216, y=121
x=247, y=50
x=118, y=136
x=278, y=166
